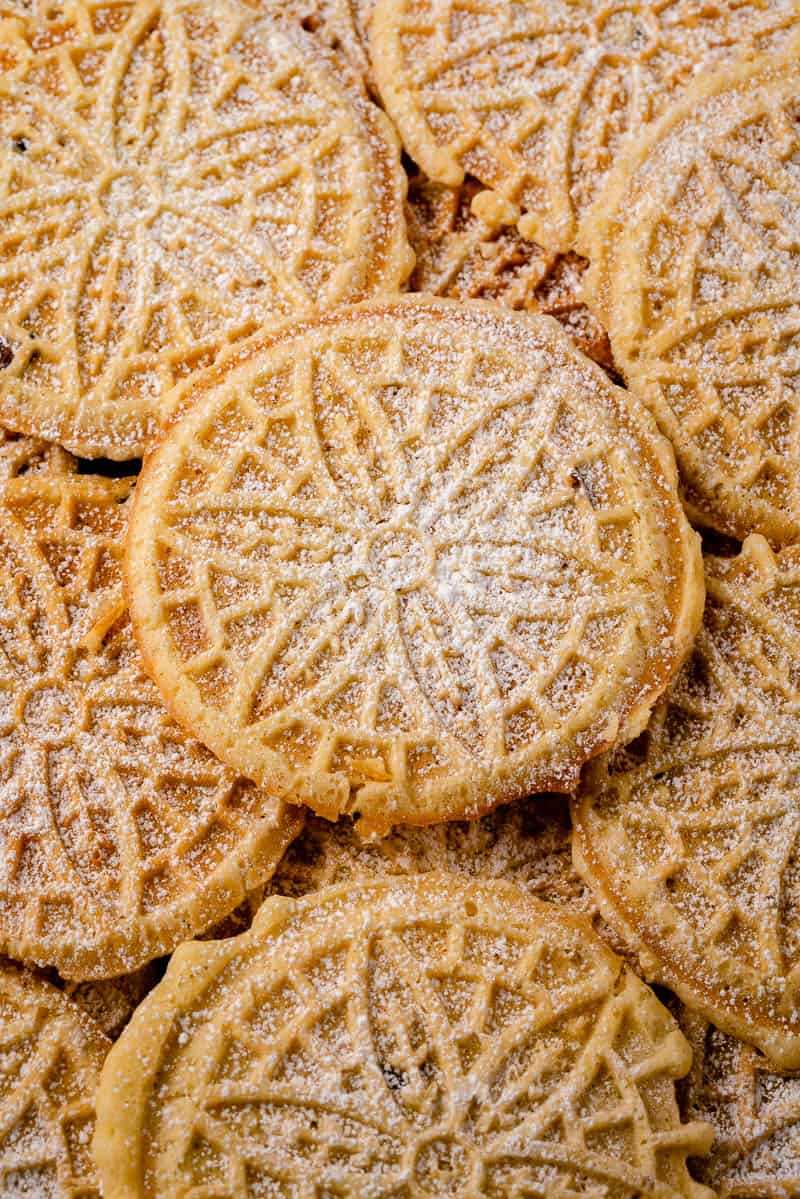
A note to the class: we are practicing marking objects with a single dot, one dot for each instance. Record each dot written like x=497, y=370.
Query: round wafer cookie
x=753, y=1107
x=410, y=561
x=418, y=1037
x=464, y=250
x=119, y=835
x=689, y=838
x=175, y=175
x=537, y=98
x=50, y=1059
x=696, y=274
x=528, y=843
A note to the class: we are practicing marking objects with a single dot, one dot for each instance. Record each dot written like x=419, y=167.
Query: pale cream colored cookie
x=753, y=1107
x=120, y=836
x=433, y=1036
x=174, y=176
x=411, y=561
x=50, y=1059
x=538, y=98
x=689, y=839
x=342, y=24
x=696, y=274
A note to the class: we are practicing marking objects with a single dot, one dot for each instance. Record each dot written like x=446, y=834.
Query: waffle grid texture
x=174, y=176
x=689, y=839
x=410, y=561
x=696, y=274
x=50, y=1060
x=426, y=1036
x=538, y=98
x=120, y=836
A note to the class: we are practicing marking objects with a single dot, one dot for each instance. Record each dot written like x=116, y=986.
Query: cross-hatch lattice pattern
x=50, y=1061
x=690, y=841
x=173, y=177
x=417, y=1038
x=119, y=835
x=472, y=255
x=705, y=321
x=410, y=563
x=753, y=1107
x=536, y=98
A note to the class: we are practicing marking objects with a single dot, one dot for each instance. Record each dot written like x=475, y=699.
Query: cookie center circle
x=127, y=197
x=442, y=1166
x=398, y=558
x=49, y=713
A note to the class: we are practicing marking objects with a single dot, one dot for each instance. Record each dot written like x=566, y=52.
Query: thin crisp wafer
x=119, y=835
x=696, y=274
x=538, y=98
x=411, y=561
x=418, y=1037
x=753, y=1107
x=174, y=176
x=50, y=1059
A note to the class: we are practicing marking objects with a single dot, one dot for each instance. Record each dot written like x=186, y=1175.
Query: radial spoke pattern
x=119, y=835
x=409, y=557
x=691, y=841
x=705, y=323
x=172, y=177
x=405, y=1039
x=537, y=98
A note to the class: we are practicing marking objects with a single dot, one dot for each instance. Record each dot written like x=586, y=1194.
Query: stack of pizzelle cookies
x=399, y=599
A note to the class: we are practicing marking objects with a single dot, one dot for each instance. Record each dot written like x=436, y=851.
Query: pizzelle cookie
x=119, y=835
x=411, y=561
x=689, y=839
x=528, y=843
x=50, y=1059
x=753, y=1107
x=174, y=176
x=696, y=274
x=465, y=251
x=418, y=1037
x=537, y=98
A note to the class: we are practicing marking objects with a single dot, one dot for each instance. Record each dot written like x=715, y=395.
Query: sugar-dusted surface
x=417, y=1037
x=174, y=176
x=537, y=98
x=112, y=1001
x=465, y=251
x=119, y=835
x=411, y=561
x=50, y=1059
x=528, y=843
x=696, y=274
x=753, y=1107
x=341, y=24
x=690, y=839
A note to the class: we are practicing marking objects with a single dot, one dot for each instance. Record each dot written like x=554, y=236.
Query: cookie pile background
x=399, y=599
